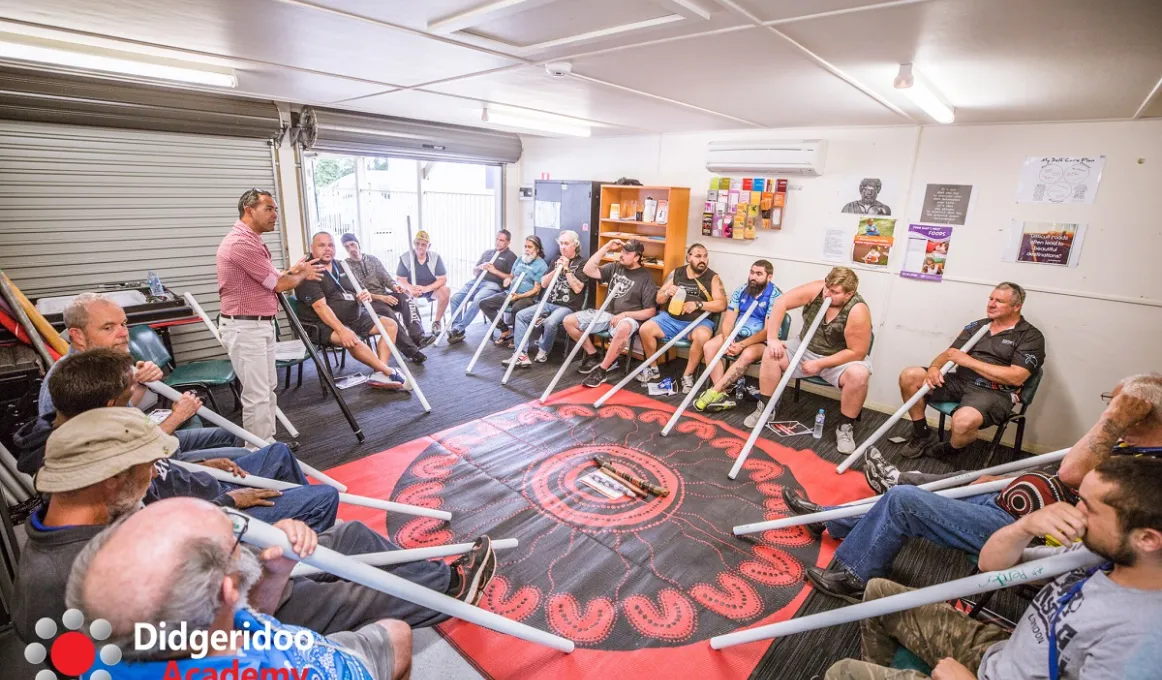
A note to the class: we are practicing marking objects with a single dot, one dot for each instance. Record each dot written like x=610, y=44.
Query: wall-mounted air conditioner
x=783, y=157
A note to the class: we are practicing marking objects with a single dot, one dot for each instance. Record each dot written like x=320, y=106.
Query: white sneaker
x=542, y=356
x=845, y=438
x=651, y=374
x=753, y=419
x=687, y=384
x=381, y=380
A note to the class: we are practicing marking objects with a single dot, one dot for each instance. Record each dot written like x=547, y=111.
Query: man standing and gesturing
x=247, y=285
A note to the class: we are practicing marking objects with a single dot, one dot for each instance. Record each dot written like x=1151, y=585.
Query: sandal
x=504, y=339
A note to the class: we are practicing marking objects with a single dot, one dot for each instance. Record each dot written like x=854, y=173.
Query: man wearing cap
x=388, y=298
x=248, y=284
x=495, y=273
x=430, y=278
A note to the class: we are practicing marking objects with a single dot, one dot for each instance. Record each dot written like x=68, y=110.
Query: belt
x=247, y=317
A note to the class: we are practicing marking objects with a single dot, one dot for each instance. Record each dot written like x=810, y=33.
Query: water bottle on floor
x=818, y=432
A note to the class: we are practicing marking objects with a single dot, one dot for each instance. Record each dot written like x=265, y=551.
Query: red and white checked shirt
x=246, y=274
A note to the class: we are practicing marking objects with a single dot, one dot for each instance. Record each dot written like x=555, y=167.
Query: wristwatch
x=698, y=305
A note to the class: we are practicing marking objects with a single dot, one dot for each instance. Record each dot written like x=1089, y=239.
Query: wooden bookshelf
x=664, y=242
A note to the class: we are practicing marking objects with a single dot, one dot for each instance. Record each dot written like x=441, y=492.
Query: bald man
x=179, y=560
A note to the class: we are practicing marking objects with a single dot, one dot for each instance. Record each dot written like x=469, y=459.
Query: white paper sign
x=1060, y=179
x=836, y=244
x=547, y=215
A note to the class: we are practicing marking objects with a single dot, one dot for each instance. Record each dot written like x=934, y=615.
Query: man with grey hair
x=867, y=204
x=248, y=284
x=179, y=560
x=565, y=298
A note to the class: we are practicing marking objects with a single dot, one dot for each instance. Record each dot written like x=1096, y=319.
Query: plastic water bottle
x=155, y=287
x=818, y=432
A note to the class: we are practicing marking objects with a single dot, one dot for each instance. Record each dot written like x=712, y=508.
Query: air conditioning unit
x=784, y=157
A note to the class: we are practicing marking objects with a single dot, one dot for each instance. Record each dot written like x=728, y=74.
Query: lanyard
x=336, y=278
x=1062, y=603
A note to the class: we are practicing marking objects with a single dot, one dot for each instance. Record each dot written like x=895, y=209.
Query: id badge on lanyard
x=346, y=294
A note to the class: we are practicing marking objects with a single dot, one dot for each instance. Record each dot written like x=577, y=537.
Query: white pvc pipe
x=173, y=395
x=8, y=462
x=193, y=302
x=770, y=407
x=577, y=348
x=383, y=559
x=709, y=367
x=520, y=347
x=263, y=535
x=912, y=401
x=844, y=511
x=278, y=485
x=1036, y=570
x=492, y=326
x=463, y=303
x=651, y=359
x=14, y=485
x=359, y=289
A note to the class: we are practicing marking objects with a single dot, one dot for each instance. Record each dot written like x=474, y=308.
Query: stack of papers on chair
x=289, y=350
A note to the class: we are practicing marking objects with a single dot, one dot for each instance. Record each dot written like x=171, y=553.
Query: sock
x=845, y=420
x=947, y=449
x=454, y=579
x=920, y=429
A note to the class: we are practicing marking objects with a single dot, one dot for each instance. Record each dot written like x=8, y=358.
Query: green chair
x=905, y=660
x=1018, y=415
x=816, y=380
x=146, y=345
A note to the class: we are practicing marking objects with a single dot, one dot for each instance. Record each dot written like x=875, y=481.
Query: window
x=374, y=197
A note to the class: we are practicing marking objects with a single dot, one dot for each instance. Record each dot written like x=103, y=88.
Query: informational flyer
x=1060, y=179
x=926, y=252
x=1056, y=243
x=873, y=241
x=836, y=244
x=946, y=204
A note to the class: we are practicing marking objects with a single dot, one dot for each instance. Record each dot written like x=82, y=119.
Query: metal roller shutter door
x=81, y=206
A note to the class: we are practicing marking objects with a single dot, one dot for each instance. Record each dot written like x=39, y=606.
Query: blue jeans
x=196, y=444
x=484, y=290
x=555, y=315
x=873, y=540
x=313, y=504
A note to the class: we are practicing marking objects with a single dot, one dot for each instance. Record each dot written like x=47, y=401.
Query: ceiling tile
x=1003, y=61
x=774, y=85
x=298, y=87
x=565, y=18
x=414, y=14
x=1154, y=109
x=775, y=10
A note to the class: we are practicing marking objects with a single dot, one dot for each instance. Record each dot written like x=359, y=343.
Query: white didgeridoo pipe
x=774, y=400
x=845, y=511
x=524, y=341
x=263, y=535
x=912, y=401
x=278, y=485
x=709, y=367
x=8, y=463
x=492, y=326
x=383, y=336
x=193, y=303
x=390, y=557
x=577, y=348
x=1036, y=570
x=651, y=359
x=463, y=303
x=173, y=395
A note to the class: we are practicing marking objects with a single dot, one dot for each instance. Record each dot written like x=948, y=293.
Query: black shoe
x=837, y=582
x=914, y=448
x=590, y=362
x=426, y=340
x=595, y=377
x=475, y=569
x=801, y=506
x=455, y=335
x=418, y=357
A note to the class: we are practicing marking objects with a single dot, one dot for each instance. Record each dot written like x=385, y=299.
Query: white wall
x=1102, y=320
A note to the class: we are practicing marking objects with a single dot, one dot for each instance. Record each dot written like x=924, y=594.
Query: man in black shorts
x=985, y=380
x=331, y=303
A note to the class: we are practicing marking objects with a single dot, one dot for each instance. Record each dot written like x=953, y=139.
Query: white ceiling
x=652, y=65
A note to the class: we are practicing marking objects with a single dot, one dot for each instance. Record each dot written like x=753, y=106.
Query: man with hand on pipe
x=388, y=299
x=1084, y=624
x=96, y=322
x=1133, y=417
x=703, y=292
x=532, y=265
x=332, y=304
x=634, y=295
x=749, y=344
x=179, y=560
x=838, y=353
x=495, y=272
x=248, y=285
x=565, y=298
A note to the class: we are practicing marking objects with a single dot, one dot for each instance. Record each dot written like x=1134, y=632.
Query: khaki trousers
x=250, y=345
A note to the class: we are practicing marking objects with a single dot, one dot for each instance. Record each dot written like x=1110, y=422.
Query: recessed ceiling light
x=535, y=123
x=923, y=94
x=98, y=59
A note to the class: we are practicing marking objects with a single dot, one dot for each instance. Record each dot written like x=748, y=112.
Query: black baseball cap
x=348, y=238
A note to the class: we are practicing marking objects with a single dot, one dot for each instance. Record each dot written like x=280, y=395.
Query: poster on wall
x=547, y=215
x=946, y=204
x=864, y=198
x=836, y=244
x=1057, y=243
x=1055, y=180
x=926, y=252
x=873, y=241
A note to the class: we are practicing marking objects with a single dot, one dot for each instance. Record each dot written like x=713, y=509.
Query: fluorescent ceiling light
x=535, y=123
x=923, y=94
x=88, y=58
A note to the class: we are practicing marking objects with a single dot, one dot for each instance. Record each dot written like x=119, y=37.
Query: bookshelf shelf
x=664, y=241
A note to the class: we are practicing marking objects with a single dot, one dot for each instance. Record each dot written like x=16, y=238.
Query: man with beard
x=388, y=298
x=332, y=305
x=704, y=293
x=179, y=561
x=565, y=297
x=749, y=344
x=1084, y=624
x=532, y=265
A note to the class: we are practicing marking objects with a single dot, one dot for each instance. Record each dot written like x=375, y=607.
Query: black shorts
x=994, y=405
x=364, y=325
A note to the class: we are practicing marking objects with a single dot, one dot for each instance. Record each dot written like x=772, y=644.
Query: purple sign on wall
x=926, y=252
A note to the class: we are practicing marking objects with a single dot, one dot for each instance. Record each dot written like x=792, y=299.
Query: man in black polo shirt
x=985, y=380
x=495, y=272
x=332, y=302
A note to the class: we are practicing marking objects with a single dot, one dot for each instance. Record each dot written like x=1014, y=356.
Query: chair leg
x=210, y=397
x=796, y=390
x=287, y=371
x=983, y=599
x=1020, y=437
x=234, y=389
x=300, y=381
x=996, y=443
x=940, y=428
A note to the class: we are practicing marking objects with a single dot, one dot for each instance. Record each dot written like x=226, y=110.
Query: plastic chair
x=816, y=380
x=288, y=364
x=905, y=660
x=146, y=345
x=1025, y=396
